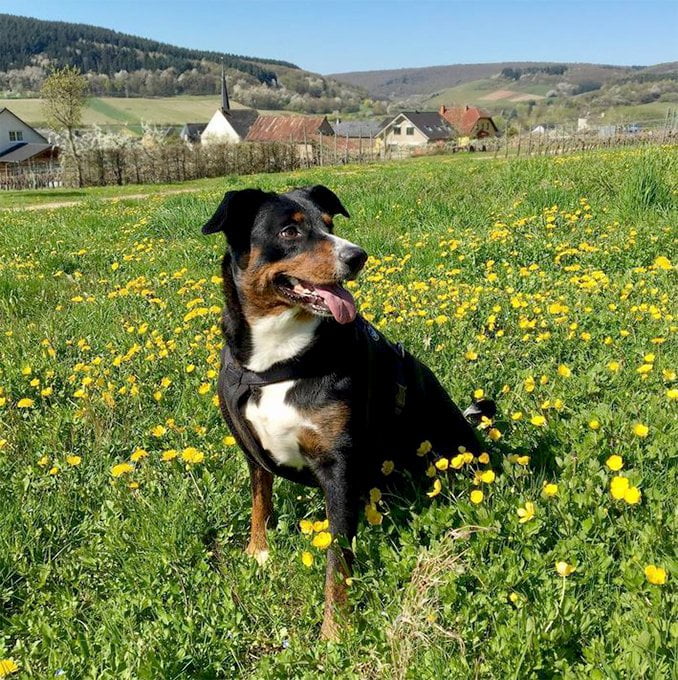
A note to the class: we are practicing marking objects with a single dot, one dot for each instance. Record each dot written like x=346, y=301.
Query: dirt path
x=122, y=197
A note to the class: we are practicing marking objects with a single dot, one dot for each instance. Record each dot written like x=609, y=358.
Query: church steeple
x=225, y=104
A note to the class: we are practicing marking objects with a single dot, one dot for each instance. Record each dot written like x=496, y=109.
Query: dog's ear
x=235, y=216
x=326, y=200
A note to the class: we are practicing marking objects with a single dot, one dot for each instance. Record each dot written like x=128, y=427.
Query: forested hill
x=101, y=50
x=117, y=64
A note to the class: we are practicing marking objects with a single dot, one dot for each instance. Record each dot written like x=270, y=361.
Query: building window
x=409, y=130
x=396, y=130
x=16, y=135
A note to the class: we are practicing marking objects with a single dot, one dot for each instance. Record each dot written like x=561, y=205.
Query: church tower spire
x=225, y=103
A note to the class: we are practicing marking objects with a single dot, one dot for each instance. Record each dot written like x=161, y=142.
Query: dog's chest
x=278, y=424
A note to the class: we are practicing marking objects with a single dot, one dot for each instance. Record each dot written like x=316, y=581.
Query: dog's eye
x=290, y=233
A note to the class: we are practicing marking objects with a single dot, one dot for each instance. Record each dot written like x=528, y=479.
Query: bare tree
x=64, y=94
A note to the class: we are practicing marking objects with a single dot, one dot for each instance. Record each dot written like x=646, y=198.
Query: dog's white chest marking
x=277, y=423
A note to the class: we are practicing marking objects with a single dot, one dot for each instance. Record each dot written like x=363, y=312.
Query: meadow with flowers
x=547, y=284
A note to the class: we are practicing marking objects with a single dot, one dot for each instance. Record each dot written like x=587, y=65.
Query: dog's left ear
x=326, y=200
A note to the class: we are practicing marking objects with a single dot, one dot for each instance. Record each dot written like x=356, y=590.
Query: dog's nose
x=354, y=258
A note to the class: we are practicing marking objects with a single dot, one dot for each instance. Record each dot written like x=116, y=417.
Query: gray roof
x=192, y=131
x=241, y=120
x=22, y=151
x=357, y=128
x=430, y=123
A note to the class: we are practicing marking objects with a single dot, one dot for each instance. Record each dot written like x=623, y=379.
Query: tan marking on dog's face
x=327, y=219
x=298, y=217
x=317, y=266
x=329, y=424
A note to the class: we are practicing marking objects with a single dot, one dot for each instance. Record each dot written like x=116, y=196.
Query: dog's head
x=286, y=253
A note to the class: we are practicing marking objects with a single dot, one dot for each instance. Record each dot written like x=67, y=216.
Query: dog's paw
x=475, y=412
x=260, y=555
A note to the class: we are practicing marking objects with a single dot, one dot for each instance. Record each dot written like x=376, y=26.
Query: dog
x=310, y=390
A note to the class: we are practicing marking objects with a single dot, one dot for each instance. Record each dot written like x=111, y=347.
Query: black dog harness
x=236, y=384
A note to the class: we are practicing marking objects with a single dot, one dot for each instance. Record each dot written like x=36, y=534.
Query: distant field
x=131, y=111
x=484, y=92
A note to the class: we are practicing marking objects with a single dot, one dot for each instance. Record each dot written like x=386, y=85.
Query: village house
x=26, y=156
x=191, y=132
x=227, y=124
x=470, y=122
x=411, y=129
x=306, y=132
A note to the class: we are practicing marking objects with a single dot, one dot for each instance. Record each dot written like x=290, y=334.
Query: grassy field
x=132, y=111
x=547, y=283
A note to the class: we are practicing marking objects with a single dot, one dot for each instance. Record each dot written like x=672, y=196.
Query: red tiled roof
x=288, y=129
x=463, y=118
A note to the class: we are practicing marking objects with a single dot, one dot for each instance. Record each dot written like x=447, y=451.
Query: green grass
x=530, y=264
x=131, y=111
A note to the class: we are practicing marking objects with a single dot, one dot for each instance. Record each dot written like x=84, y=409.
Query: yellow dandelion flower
x=457, y=462
x=159, y=431
x=138, y=454
x=517, y=415
x=640, y=430
x=442, y=464
x=191, y=455
x=306, y=526
x=564, y=569
x=424, y=448
x=613, y=366
x=594, y=424
x=204, y=388
x=229, y=440
x=121, y=469
x=168, y=455
x=487, y=476
x=478, y=394
x=522, y=460
x=471, y=355
x=484, y=458
x=538, y=420
x=375, y=495
x=25, y=403
x=632, y=495
x=54, y=471
x=322, y=540
x=618, y=487
x=615, y=463
x=387, y=467
x=373, y=515
x=550, y=489
x=655, y=575
x=672, y=394
x=494, y=434
x=437, y=488
x=564, y=371
x=7, y=666
x=527, y=513
x=306, y=558
x=321, y=524
x=73, y=460
x=477, y=496
x=662, y=262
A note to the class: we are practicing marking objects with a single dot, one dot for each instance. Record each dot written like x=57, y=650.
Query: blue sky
x=328, y=36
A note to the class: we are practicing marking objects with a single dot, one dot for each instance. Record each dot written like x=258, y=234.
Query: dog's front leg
x=341, y=503
x=262, y=508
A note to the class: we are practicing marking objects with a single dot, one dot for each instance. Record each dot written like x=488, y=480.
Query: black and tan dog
x=310, y=390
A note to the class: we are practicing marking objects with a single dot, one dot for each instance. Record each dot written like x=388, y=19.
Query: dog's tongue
x=339, y=301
